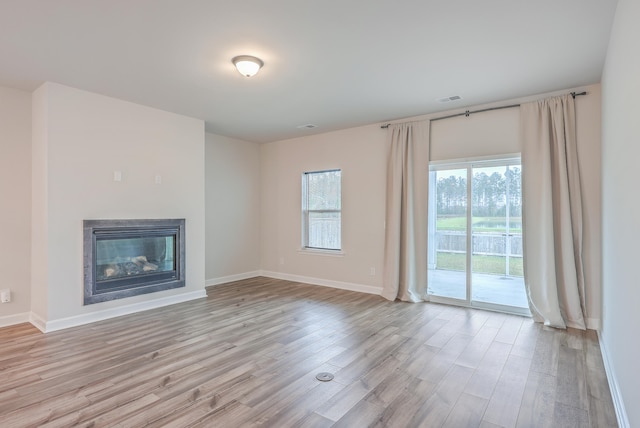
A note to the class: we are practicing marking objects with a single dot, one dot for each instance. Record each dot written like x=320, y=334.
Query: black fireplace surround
x=124, y=258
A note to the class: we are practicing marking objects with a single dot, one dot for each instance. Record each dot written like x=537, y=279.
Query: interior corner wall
x=361, y=155
x=232, y=189
x=15, y=194
x=39, y=205
x=87, y=137
x=621, y=211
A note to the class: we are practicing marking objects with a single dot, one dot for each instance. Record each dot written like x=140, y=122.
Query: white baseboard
x=231, y=278
x=8, y=320
x=62, y=323
x=616, y=395
x=38, y=322
x=369, y=289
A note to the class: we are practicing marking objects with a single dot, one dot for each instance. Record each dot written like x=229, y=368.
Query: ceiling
x=332, y=63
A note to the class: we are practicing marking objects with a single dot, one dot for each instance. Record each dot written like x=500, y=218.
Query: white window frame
x=306, y=211
x=469, y=164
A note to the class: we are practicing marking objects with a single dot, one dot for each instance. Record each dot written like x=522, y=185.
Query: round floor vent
x=324, y=376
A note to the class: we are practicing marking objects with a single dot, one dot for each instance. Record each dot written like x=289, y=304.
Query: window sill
x=321, y=252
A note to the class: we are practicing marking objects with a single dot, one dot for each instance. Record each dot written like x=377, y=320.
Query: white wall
x=361, y=154
x=621, y=208
x=15, y=200
x=232, y=190
x=87, y=137
x=495, y=132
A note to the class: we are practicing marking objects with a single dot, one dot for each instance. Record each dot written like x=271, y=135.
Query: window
x=321, y=210
x=475, y=234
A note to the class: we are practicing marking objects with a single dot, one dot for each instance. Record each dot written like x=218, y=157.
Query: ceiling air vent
x=307, y=126
x=452, y=98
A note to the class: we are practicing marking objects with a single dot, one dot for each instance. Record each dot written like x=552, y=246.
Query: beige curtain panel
x=552, y=213
x=405, y=253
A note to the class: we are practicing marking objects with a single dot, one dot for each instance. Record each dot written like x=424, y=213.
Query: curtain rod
x=468, y=113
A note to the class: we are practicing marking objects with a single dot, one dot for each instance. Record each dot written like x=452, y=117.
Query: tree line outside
x=487, y=197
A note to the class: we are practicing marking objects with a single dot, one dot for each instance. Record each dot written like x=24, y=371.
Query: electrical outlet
x=372, y=271
x=281, y=260
x=5, y=295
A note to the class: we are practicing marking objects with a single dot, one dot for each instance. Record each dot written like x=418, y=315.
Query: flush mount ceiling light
x=247, y=65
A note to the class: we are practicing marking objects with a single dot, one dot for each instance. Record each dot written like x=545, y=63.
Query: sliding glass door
x=475, y=235
x=448, y=225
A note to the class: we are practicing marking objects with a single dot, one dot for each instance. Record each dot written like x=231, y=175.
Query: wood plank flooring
x=249, y=353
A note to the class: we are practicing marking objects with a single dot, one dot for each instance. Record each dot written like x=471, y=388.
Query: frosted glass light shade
x=247, y=65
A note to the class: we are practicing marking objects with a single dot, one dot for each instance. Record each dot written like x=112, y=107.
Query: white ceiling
x=332, y=63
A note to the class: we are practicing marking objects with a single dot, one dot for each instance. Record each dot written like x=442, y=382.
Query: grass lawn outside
x=494, y=265
x=480, y=224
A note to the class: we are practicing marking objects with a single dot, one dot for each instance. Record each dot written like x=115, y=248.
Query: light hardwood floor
x=249, y=353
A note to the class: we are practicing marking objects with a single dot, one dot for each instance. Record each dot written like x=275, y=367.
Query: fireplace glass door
x=121, y=261
x=126, y=258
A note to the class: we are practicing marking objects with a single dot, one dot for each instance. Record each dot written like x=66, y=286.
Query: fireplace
x=124, y=258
